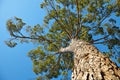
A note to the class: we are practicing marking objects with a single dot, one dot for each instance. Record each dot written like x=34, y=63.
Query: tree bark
x=90, y=63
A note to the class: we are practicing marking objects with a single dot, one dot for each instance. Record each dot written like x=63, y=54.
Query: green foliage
x=15, y=25
x=50, y=64
x=67, y=19
x=10, y=44
x=119, y=60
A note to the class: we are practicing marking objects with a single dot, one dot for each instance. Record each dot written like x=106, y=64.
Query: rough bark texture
x=90, y=63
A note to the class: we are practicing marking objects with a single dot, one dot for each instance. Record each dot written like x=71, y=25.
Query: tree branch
x=78, y=13
x=61, y=25
x=39, y=37
x=103, y=18
x=78, y=22
x=99, y=39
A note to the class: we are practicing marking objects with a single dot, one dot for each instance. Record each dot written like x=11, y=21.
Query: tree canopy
x=91, y=20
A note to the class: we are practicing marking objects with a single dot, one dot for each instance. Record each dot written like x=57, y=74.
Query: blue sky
x=14, y=62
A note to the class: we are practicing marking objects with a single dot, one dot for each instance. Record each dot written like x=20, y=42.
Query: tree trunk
x=90, y=63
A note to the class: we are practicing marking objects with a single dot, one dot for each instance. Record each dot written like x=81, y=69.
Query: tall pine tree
x=93, y=21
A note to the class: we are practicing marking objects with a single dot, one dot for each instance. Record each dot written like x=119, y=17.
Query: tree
x=93, y=21
x=90, y=63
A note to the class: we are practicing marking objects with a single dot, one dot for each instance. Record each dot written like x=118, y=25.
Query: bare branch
x=99, y=39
